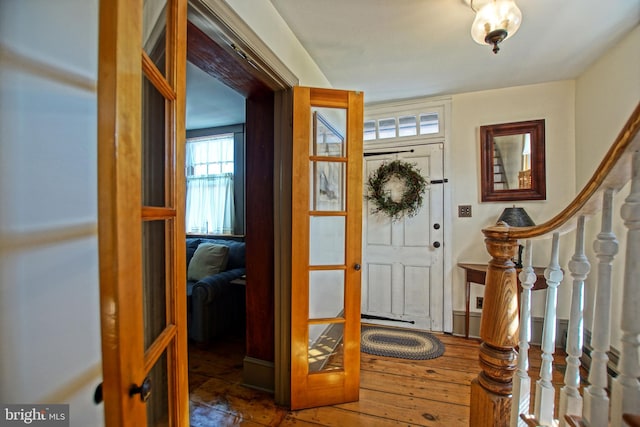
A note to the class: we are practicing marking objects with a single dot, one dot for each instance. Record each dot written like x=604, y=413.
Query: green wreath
x=414, y=187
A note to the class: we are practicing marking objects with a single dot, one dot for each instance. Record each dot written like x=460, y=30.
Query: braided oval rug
x=400, y=343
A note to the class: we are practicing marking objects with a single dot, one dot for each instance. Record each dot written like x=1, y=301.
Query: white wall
x=606, y=94
x=553, y=102
x=49, y=299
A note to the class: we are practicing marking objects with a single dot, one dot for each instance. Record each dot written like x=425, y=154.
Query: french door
x=326, y=246
x=141, y=110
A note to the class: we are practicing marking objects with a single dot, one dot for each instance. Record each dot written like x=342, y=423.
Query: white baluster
x=545, y=393
x=521, y=381
x=625, y=395
x=570, y=398
x=596, y=401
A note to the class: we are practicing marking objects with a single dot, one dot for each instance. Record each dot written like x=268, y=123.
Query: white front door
x=402, y=280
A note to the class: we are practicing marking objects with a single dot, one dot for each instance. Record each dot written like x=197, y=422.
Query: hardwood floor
x=393, y=392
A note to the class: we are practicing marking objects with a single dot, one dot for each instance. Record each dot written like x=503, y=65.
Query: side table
x=477, y=273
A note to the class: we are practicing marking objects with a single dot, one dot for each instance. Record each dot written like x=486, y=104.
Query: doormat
x=400, y=343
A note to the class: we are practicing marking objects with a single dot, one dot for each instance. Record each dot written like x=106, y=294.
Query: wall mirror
x=512, y=161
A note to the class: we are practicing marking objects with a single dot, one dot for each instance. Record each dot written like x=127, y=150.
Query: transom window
x=402, y=126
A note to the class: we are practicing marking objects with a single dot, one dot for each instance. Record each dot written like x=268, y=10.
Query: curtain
x=210, y=205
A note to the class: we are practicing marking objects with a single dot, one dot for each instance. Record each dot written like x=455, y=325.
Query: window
x=402, y=126
x=210, y=205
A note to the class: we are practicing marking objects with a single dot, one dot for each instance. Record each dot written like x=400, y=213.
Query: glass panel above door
x=369, y=130
x=387, y=128
x=429, y=123
x=407, y=126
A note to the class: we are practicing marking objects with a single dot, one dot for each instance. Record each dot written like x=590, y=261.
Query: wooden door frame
x=442, y=103
x=219, y=22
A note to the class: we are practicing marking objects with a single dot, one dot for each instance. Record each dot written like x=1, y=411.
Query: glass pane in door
x=154, y=22
x=158, y=403
x=326, y=240
x=154, y=280
x=153, y=145
x=326, y=347
x=329, y=131
x=327, y=186
x=326, y=294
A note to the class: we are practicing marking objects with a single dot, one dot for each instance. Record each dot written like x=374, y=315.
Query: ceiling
x=210, y=103
x=415, y=48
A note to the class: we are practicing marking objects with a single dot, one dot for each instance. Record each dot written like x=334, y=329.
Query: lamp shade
x=516, y=217
x=496, y=21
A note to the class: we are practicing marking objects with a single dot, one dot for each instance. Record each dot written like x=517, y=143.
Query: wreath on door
x=414, y=187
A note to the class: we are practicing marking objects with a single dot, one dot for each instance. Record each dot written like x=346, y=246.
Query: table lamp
x=517, y=217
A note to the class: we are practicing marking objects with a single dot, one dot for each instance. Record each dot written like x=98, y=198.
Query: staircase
x=500, y=181
x=501, y=394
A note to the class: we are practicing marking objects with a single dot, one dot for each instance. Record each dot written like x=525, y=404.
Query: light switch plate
x=464, y=211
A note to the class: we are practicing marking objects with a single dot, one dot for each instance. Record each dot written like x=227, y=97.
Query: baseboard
x=537, y=324
x=258, y=374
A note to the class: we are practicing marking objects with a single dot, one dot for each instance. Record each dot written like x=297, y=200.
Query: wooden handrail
x=490, y=403
x=613, y=172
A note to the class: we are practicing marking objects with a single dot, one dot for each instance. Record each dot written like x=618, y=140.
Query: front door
x=141, y=98
x=326, y=247
x=403, y=259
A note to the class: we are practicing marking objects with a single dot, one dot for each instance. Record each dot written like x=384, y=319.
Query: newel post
x=491, y=390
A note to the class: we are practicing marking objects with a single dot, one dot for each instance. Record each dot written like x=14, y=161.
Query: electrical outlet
x=479, y=301
x=464, y=211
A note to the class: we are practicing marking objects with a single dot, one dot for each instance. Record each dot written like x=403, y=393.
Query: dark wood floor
x=393, y=392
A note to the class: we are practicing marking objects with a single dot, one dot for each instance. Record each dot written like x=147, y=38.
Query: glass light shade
x=496, y=15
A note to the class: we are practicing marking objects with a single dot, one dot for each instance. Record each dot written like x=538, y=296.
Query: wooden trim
x=258, y=374
x=158, y=347
x=538, y=189
x=283, y=147
x=260, y=228
x=119, y=76
x=151, y=213
x=215, y=59
x=219, y=20
x=156, y=78
x=177, y=187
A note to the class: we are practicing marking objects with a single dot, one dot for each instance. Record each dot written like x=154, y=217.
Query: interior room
x=327, y=119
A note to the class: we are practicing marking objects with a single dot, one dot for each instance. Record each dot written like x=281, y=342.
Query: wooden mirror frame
x=538, y=183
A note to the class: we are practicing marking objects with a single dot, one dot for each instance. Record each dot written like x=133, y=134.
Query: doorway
x=212, y=59
x=213, y=45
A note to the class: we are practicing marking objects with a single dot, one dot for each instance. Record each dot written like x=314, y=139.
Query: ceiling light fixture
x=496, y=20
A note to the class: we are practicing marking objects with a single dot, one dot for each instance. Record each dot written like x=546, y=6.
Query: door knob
x=97, y=395
x=356, y=267
x=436, y=245
x=144, y=390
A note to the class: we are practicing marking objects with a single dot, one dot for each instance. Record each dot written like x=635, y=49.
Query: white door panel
x=403, y=264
